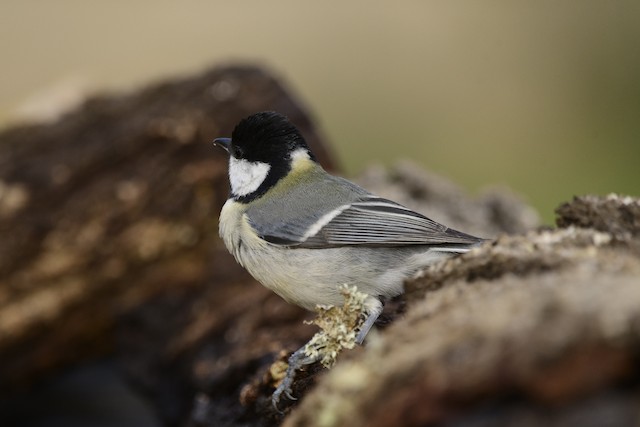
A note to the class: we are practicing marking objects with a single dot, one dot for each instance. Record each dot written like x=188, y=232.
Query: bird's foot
x=297, y=360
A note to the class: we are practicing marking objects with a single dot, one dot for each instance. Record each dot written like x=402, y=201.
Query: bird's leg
x=297, y=360
x=373, y=310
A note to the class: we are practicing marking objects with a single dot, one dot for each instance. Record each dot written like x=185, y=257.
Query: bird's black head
x=265, y=137
x=263, y=148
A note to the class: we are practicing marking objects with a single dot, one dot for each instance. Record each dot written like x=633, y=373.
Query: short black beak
x=223, y=143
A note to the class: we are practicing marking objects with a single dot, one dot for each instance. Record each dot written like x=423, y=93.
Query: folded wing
x=371, y=221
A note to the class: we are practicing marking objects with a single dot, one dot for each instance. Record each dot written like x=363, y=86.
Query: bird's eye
x=236, y=151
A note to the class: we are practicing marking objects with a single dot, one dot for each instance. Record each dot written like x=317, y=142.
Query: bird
x=302, y=232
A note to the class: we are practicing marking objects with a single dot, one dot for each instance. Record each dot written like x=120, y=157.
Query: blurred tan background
x=541, y=96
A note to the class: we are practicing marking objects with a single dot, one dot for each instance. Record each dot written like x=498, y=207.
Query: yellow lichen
x=338, y=326
x=278, y=370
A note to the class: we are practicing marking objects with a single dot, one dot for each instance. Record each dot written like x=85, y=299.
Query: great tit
x=303, y=233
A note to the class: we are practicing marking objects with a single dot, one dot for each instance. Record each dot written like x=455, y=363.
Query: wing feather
x=372, y=221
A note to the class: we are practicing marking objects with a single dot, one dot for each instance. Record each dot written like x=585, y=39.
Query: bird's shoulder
x=300, y=200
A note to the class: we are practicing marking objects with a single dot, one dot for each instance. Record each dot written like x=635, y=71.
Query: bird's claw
x=289, y=395
x=296, y=361
x=285, y=387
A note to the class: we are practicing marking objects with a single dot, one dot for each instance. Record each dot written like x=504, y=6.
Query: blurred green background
x=542, y=96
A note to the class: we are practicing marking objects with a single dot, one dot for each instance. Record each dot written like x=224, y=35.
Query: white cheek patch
x=299, y=154
x=245, y=177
